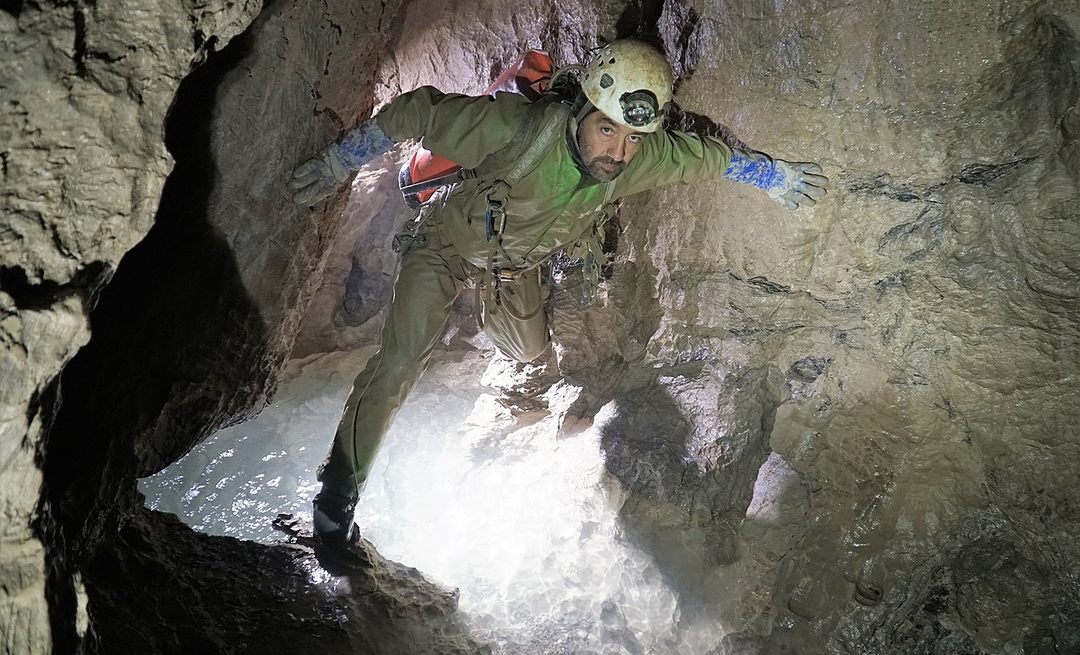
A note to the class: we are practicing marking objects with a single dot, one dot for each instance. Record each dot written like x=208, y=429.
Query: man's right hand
x=318, y=178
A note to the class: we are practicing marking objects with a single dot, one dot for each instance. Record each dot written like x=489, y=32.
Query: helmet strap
x=578, y=111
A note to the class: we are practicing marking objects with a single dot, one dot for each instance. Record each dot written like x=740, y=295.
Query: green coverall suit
x=552, y=206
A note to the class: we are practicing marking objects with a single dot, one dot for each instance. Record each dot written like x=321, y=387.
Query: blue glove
x=791, y=185
x=321, y=175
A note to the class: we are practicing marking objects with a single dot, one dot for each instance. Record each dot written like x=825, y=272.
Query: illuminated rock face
x=845, y=430
x=907, y=351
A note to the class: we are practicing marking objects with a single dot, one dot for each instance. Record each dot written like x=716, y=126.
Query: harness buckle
x=495, y=218
x=503, y=275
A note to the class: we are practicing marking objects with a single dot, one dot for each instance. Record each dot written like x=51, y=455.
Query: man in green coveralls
x=494, y=230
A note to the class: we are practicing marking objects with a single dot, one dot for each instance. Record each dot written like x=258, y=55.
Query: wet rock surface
x=222, y=595
x=84, y=93
x=845, y=430
x=918, y=321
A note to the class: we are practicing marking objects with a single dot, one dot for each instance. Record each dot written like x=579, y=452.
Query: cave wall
x=85, y=91
x=191, y=332
x=849, y=429
x=195, y=327
x=223, y=595
x=919, y=327
x=846, y=430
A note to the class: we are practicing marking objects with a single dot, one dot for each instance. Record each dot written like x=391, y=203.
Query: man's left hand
x=802, y=185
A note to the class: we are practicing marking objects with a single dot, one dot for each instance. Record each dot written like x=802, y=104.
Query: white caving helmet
x=630, y=81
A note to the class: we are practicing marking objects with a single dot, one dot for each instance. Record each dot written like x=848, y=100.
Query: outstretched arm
x=790, y=184
x=464, y=129
x=320, y=176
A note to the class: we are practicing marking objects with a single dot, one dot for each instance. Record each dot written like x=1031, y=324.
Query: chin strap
x=580, y=109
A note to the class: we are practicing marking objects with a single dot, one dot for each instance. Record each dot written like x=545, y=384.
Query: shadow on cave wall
x=174, y=326
x=687, y=493
x=648, y=445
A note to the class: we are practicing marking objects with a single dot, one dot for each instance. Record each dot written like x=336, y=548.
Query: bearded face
x=606, y=146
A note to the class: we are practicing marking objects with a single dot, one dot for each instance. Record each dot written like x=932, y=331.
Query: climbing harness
x=551, y=116
x=428, y=180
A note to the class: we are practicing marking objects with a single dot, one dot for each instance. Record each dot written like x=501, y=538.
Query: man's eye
x=607, y=131
x=635, y=138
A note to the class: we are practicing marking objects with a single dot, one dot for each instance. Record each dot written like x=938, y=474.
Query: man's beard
x=583, y=156
x=604, y=168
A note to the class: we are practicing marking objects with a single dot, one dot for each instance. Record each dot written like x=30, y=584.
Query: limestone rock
x=841, y=430
x=85, y=92
x=222, y=595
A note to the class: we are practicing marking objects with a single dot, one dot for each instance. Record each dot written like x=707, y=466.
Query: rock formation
x=844, y=430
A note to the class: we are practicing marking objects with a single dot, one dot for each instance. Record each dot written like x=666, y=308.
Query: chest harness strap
x=551, y=120
x=547, y=122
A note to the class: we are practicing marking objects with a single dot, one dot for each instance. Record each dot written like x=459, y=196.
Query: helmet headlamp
x=639, y=108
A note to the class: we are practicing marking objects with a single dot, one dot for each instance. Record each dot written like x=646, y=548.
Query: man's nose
x=618, y=150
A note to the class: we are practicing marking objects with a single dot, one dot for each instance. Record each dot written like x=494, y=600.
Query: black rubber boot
x=332, y=517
